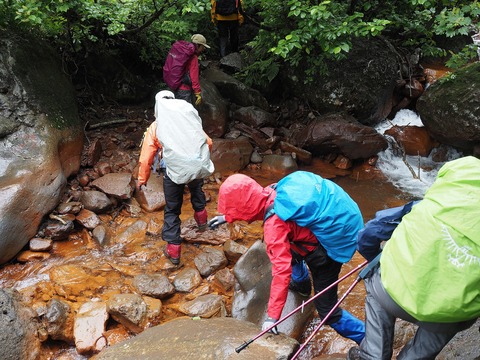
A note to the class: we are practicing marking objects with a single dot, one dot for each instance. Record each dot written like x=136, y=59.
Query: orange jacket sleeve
x=150, y=146
x=209, y=141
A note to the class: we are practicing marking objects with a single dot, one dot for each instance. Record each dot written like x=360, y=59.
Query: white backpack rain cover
x=185, y=149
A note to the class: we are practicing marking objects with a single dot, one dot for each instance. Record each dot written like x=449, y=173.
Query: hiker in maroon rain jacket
x=242, y=198
x=191, y=85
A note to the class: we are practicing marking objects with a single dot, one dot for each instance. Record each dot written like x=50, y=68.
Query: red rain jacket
x=193, y=68
x=242, y=198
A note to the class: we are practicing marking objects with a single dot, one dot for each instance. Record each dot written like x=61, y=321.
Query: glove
x=198, y=99
x=268, y=323
x=141, y=186
x=216, y=222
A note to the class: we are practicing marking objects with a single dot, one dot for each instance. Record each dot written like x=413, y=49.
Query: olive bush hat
x=200, y=40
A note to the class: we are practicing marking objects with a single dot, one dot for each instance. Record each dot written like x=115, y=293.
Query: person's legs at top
x=199, y=202
x=171, y=222
x=223, y=30
x=234, y=26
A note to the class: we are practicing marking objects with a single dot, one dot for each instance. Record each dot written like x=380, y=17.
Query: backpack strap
x=269, y=211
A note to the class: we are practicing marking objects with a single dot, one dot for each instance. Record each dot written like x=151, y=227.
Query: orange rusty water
x=79, y=270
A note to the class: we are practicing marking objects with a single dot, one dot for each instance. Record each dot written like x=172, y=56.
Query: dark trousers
x=186, y=95
x=324, y=271
x=173, y=208
x=228, y=30
x=381, y=312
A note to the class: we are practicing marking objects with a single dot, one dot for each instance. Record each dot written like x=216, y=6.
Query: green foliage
x=302, y=34
x=79, y=25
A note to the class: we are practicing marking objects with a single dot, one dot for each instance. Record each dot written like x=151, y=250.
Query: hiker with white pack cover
x=307, y=220
x=428, y=272
x=178, y=133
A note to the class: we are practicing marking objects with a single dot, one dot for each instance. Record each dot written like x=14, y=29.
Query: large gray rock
x=231, y=155
x=18, y=337
x=450, y=108
x=41, y=137
x=355, y=85
x=234, y=90
x=208, y=339
x=340, y=134
x=213, y=110
x=253, y=274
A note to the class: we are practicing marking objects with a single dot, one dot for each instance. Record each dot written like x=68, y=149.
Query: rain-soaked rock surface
x=41, y=138
x=201, y=339
x=450, y=108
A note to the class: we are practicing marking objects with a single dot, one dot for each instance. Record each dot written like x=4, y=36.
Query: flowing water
x=425, y=168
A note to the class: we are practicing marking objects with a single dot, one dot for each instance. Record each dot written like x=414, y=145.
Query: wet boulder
x=253, y=116
x=187, y=279
x=340, y=134
x=253, y=274
x=151, y=197
x=118, y=185
x=234, y=90
x=41, y=136
x=59, y=320
x=450, y=108
x=154, y=285
x=210, y=260
x=89, y=327
x=205, y=306
x=355, y=84
x=130, y=310
x=282, y=164
x=208, y=339
x=414, y=140
x=19, y=328
x=191, y=233
x=213, y=111
x=96, y=201
x=231, y=155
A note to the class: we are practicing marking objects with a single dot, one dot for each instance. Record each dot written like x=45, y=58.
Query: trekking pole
x=357, y=280
x=246, y=343
x=362, y=275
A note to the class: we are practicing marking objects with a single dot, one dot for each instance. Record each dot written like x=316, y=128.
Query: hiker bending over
x=428, y=273
x=177, y=131
x=181, y=70
x=333, y=220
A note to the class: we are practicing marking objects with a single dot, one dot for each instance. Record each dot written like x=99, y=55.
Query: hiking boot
x=201, y=218
x=172, y=252
x=354, y=353
x=303, y=288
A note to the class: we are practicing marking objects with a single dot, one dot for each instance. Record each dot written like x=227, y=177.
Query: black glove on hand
x=216, y=222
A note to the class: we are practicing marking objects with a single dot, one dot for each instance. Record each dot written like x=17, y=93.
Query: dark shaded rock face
x=450, y=108
x=41, y=137
x=355, y=85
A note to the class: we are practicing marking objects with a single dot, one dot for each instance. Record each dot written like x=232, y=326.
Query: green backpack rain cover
x=431, y=264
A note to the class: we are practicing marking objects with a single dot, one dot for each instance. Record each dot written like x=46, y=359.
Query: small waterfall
x=393, y=166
